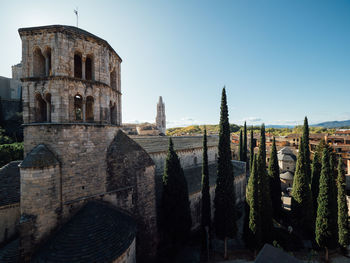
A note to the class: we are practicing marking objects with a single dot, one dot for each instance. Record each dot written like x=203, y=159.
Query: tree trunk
x=225, y=253
x=326, y=254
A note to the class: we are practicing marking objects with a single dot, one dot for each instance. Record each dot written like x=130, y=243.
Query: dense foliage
x=253, y=237
x=11, y=152
x=175, y=206
x=225, y=214
x=315, y=179
x=326, y=220
x=343, y=223
x=275, y=182
x=264, y=191
x=306, y=150
x=301, y=204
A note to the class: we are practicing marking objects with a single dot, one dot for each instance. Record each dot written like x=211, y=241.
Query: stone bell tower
x=160, y=119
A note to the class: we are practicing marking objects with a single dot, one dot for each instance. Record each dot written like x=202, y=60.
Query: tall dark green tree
x=175, y=206
x=225, y=213
x=275, y=182
x=264, y=191
x=240, y=147
x=326, y=220
x=306, y=150
x=315, y=180
x=343, y=222
x=245, y=144
x=206, y=206
x=254, y=222
x=301, y=204
x=251, y=148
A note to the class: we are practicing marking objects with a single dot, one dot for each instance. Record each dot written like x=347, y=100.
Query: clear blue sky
x=280, y=60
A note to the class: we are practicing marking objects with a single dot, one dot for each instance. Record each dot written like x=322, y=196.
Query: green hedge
x=10, y=152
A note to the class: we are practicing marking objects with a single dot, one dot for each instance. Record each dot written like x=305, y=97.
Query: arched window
x=40, y=109
x=48, y=106
x=113, y=79
x=77, y=66
x=89, y=108
x=89, y=68
x=113, y=113
x=48, y=67
x=38, y=63
x=78, y=107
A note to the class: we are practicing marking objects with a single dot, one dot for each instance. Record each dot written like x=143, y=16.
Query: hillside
x=333, y=124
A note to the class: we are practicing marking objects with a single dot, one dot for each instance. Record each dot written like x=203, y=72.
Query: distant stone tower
x=160, y=119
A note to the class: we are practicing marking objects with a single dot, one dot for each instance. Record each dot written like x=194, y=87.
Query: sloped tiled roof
x=97, y=233
x=287, y=176
x=40, y=156
x=10, y=183
x=270, y=254
x=154, y=144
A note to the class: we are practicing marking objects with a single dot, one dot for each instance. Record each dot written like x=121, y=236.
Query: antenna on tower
x=76, y=13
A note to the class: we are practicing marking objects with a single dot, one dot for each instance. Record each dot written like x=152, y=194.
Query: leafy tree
x=255, y=231
x=175, y=207
x=251, y=148
x=326, y=220
x=301, y=204
x=315, y=179
x=275, y=181
x=206, y=207
x=225, y=214
x=264, y=191
x=240, y=147
x=343, y=223
x=11, y=152
x=306, y=150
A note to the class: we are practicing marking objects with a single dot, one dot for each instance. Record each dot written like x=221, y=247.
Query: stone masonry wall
x=81, y=150
x=40, y=197
x=63, y=46
x=9, y=219
x=62, y=99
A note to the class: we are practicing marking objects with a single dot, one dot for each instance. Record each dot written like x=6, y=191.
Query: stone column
x=84, y=110
x=47, y=61
x=83, y=66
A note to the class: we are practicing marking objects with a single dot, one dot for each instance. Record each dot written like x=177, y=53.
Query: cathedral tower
x=160, y=119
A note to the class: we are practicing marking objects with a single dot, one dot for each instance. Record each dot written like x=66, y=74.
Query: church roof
x=156, y=144
x=97, y=233
x=39, y=157
x=10, y=183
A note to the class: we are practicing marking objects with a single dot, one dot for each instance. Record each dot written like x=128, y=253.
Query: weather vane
x=76, y=13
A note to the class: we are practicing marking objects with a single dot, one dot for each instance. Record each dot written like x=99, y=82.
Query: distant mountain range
x=327, y=124
x=333, y=124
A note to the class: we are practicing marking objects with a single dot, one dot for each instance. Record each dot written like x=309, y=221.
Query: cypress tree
x=175, y=207
x=206, y=209
x=240, y=147
x=275, y=182
x=326, y=220
x=301, y=204
x=315, y=180
x=255, y=233
x=245, y=150
x=306, y=150
x=225, y=214
x=343, y=223
x=251, y=148
x=264, y=191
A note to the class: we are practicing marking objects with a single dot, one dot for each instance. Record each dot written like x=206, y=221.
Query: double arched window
x=43, y=108
x=83, y=110
x=83, y=67
x=42, y=62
